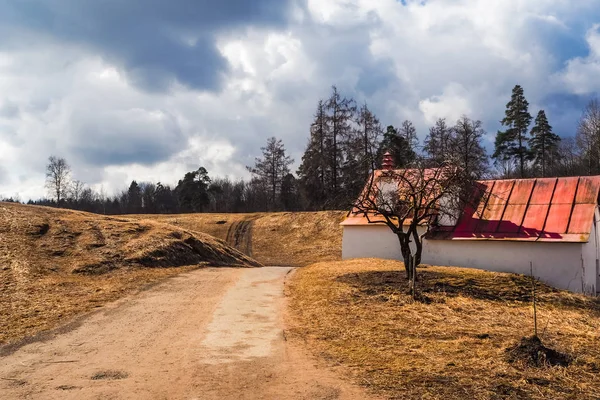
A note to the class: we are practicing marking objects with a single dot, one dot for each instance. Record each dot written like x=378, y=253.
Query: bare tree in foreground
x=413, y=201
x=58, y=178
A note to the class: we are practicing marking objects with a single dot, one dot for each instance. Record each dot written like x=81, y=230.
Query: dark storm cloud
x=155, y=41
x=126, y=137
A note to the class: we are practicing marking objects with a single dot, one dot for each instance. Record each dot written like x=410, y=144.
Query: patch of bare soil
x=357, y=314
x=530, y=352
x=210, y=334
x=55, y=263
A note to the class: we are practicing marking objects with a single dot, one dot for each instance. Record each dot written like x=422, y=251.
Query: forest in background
x=346, y=142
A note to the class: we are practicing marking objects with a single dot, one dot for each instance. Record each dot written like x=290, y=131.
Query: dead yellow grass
x=55, y=264
x=283, y=238
x=357, y=314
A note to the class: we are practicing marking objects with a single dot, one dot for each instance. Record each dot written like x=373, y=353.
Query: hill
x=57, y=263
x=281, y=238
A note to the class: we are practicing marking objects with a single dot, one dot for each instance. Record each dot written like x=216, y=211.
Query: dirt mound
x=56, y=264
x=278, y=238
x=531, y=352
x=42, y=240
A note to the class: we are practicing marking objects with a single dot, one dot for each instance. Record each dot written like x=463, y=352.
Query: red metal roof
x=542, y=209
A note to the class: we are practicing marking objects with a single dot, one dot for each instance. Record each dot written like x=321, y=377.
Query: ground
x=150, y=307
x=206, y=334
x=56, y=264
x=282, y=238
x=457, y=342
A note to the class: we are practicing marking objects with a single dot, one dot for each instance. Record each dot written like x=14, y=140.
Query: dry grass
x=284, y=238
x=358, y=315
x=55, y=264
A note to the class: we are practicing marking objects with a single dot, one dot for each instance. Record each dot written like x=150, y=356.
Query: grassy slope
x=57, y=263
x=356, y=313
x=283, y=238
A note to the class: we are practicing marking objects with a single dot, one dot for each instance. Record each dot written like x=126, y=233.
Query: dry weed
x=358, y=314
x=55, y=264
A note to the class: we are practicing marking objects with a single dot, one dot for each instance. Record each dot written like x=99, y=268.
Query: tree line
x=346, y=142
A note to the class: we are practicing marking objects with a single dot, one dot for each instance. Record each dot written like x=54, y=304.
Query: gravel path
x=214, y=333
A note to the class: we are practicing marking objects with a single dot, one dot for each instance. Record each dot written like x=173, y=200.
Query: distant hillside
x=55, y=263
x=282, y=238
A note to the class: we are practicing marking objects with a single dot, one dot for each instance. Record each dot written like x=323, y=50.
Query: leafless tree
x=413, y=201
x=588, y=136
x=58, y=177
x=76, y=190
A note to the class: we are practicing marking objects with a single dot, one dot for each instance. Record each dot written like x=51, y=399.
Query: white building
x=551, y=222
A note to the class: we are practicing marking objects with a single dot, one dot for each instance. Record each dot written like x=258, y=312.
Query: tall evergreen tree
x=466, y=150
x=437, y=142
x=543, y=144
x=314, y=169
x=192, y=191
x=134, y=198
x=511, y=144
x=272, y=167
x=398, y=146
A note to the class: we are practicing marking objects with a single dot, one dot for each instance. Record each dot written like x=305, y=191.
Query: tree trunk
x=404, y=240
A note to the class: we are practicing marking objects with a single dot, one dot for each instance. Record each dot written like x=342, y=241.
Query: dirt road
x=209, y=334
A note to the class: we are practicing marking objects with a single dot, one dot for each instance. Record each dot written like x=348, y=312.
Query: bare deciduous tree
x=588, y=136
x=58, y=178
x=413, y=201
x=76, y=190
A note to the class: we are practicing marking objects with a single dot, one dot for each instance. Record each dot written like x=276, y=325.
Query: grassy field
x=55, y=264
x=285, y=238
x=356, y=314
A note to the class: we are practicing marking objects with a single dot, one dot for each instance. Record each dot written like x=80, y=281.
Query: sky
x=151, y=89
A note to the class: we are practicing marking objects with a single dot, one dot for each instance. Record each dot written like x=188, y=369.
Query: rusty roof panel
x=564, y=193
x=558, y=218
x=513, y=215
x=521, y=191
x=542, y=193
x=587, y=192
x=534, y=220
x=581, y=218
x=492, y=215
x=501, y=192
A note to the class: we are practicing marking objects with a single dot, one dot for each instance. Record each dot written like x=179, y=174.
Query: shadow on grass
x=474, y=284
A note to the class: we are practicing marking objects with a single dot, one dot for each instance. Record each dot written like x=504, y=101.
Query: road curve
x=214, y=333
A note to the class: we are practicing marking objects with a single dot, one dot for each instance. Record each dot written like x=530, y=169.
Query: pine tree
x=134, y=198
x=511, y=143
x=271, y=168
x=398, y=146
x=543, y=143
x=437, y=142
x=314, y=169
x=192, y=191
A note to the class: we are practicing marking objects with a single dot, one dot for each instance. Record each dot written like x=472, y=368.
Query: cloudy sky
x=150, y=89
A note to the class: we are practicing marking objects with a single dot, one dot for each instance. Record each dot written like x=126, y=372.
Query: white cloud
x=417, y=62
x=451, y=104
x=581, y=73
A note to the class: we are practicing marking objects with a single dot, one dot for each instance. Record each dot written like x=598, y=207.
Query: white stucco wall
x=365, y=241
x=563, y=265
x=591, y=253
